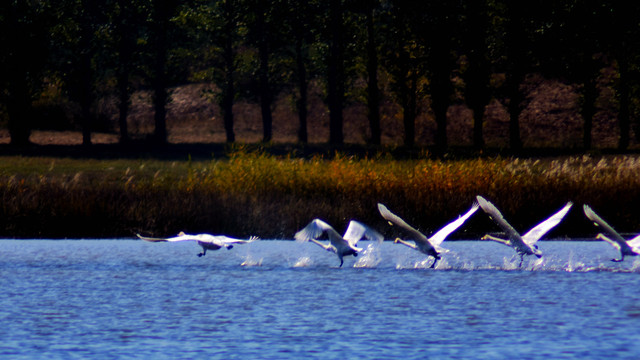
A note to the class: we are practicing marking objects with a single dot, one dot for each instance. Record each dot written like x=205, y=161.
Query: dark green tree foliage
x=212, y=31
x=261, y=48
x=24, y=38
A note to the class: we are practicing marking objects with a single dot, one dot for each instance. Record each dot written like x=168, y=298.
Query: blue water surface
x=112, y=299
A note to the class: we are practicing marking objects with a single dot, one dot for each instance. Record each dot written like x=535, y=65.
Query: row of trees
x=259, y=48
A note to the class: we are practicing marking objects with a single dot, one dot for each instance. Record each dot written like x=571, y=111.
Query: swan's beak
x=484, y=237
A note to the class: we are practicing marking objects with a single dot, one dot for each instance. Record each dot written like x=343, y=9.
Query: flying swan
x=206, y=241
x=626, y=248
x=340, y=245
x=428, y=246
x=525, y=244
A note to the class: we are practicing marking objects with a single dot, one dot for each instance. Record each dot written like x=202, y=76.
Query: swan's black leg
x=229, y=247
x=435, y=260
x=521, y=260
x=341, y=262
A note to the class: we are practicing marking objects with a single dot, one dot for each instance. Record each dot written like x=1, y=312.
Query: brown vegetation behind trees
x=550, y=119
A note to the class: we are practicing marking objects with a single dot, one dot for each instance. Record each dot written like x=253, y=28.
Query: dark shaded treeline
x=428, y=53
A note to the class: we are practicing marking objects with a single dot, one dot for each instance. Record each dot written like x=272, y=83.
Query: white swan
x=340, y=245
x=626, y=248
x=206, y=241
x=428, y=246
x=525, y=244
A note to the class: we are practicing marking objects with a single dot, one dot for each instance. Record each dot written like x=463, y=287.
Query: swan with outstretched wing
x=340, y=245
x=626, y=247
x=525, y=244
x=206, y=241
x=429, y=246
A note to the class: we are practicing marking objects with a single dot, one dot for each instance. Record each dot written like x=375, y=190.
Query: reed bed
x=255, y=193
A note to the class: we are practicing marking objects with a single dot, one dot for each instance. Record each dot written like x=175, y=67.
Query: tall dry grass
x=254, y=193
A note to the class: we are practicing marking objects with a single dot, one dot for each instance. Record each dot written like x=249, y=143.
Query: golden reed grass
x=254, y=193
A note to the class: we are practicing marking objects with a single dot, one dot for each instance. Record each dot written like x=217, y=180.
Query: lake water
x=108, y=299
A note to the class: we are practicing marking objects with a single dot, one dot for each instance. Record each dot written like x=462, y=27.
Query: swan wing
x=597, y=220
x=314, y=230
x=357, y=230
x=181, y=237
x=229, y=240
x=495, y=214
x=442, y=234
x=635, y=242
x=535, y=234
x=395, y=219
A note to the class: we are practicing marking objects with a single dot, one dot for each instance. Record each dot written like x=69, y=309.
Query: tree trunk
x=301, y=103
x=441, y=89
x=516, y=45
x=335, y=73
x=589, y=95
x=266, y=98
x=409, y=109
x=228, y=92
x=623, y=114
x=162, y=13
x=86, y=97
x=18, y=106
x=123, y=106
x=477, y=79
x=373, y=93
x=85, y=70
x=160, y=98
x=126, y=44
x=515, y=98
x=439, y=104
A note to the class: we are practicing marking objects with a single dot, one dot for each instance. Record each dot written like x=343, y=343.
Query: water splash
x=417, y=264
x=559, y=256
x=369, y=257
x=250, y=261
x=573, y=265
x=303, y=262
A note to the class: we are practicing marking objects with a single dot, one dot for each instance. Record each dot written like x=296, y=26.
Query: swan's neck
x=326, y=247
x=400, y=241
x=496, y=239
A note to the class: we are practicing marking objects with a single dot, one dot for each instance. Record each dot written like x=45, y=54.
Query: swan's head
x=486, y=237
x=536, y=252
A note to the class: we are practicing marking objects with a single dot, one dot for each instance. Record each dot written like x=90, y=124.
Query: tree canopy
x=426, y=55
